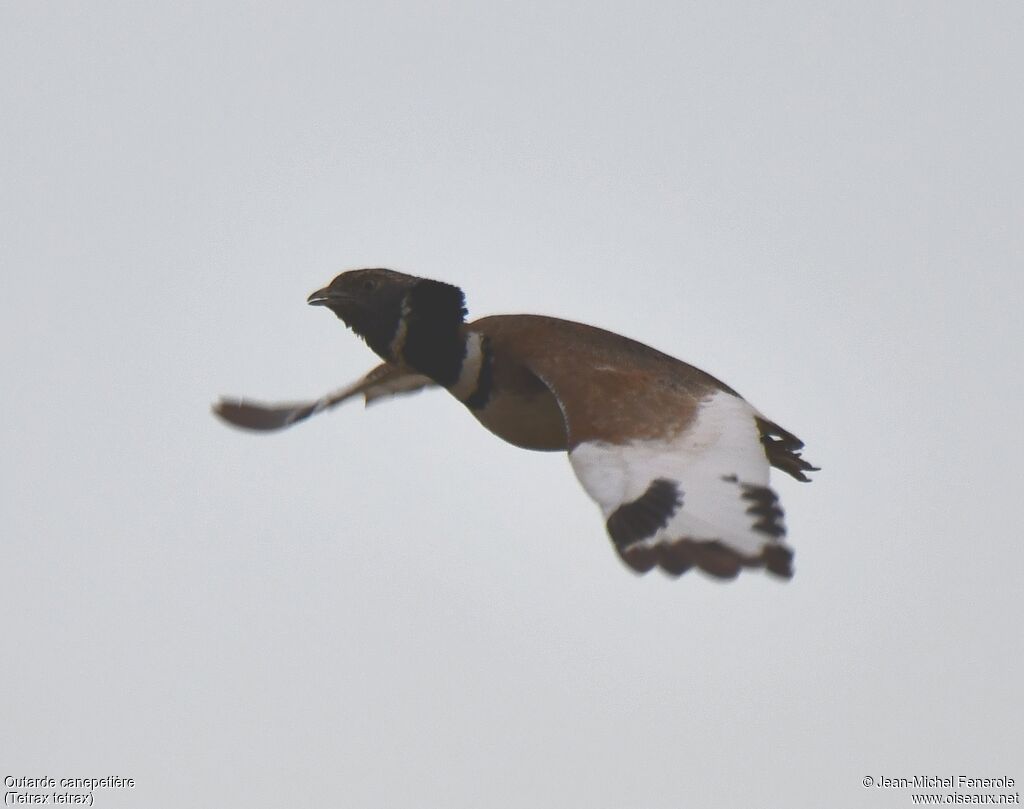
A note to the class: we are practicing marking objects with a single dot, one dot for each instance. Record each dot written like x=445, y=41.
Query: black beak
x=323, y=297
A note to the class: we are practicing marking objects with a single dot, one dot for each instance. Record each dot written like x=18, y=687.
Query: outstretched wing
x=382, y=382
x=694, y=497
x=676, y=460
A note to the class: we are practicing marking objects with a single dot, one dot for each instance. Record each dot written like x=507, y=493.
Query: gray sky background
x=820, y=203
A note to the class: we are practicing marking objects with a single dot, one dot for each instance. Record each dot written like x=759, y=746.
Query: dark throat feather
x=433, y=342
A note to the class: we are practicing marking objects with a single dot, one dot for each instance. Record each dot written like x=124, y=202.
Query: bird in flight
x=677, y=461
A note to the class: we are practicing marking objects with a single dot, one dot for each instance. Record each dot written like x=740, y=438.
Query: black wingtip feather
x=712, y=557
x=643, y=517
x=258, y=417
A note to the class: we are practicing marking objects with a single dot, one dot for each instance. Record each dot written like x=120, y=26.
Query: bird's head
x=387, y=308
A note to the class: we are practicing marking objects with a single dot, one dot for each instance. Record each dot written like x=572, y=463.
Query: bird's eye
x=369, y=285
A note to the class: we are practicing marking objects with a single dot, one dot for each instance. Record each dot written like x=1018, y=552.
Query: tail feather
x=783, y=450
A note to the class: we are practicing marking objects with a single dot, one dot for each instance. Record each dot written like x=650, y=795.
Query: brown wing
x=610, y=388
x=601, y=373
x=382, y=382
x=677, y=460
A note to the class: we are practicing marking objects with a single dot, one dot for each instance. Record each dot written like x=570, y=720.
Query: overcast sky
x=819, y=203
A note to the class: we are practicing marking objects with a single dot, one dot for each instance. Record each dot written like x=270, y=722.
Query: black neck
x=434, y=343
